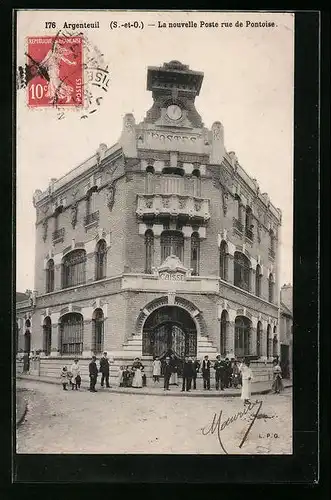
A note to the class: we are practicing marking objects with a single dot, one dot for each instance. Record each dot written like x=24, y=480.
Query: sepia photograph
x=154, y=232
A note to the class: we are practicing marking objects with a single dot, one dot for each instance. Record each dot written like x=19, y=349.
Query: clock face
x=174, y=112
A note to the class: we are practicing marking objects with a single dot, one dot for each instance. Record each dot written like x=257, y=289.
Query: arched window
x=50, y=276
x=238, y=223
x=172, y=243
x=272, y=244
x=259, y=339
x=47, y=335
x=74, y=268
x=274, y=343
x=71, y=333
x=98, y=331
x=268, y=341
x=91, y=214
x=249, y=223
x=101, y=260
x=196, y=173
x=271, y=288
x=241, y=271
x=242, y=336
x=223, y=333
x=149, y=251
x=258, y=281
x=150, y=169
x=195, y=253
x=224, y=261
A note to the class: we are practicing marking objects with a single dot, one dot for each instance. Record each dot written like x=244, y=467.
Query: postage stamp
x=55, y=71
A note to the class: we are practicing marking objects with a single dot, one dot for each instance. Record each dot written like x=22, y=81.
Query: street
x=60, y=421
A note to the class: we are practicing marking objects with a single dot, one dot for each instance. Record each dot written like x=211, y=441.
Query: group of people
x=228, y=373
x=132, y=376
x=73, y=378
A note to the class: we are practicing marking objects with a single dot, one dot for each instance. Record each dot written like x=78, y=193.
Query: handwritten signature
x=217, y=425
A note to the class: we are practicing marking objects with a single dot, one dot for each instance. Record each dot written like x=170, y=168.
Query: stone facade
x=286, y=329
x=167, y=185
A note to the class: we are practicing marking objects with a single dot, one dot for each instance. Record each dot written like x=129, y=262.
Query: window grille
x=172, y=243
x=242, y=336
x=223, y=333
x=47, y=334
x=98, y=332
x=74, y=268
x=259, y=339
x=71, y=330
x=241, y=271
x=223, y=261
x=149, y=250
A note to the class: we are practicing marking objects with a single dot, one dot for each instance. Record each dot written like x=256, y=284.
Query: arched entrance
x=169, y=329
x=27, y=346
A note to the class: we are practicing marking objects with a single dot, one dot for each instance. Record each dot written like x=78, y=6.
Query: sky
x=247, y=86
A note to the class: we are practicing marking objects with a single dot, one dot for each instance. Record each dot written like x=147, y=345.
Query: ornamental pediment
x=172, y=269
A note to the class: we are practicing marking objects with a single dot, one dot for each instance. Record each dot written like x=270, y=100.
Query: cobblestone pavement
x=60, y=421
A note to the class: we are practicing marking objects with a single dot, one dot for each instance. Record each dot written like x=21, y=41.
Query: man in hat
x=167, y=373
x=205, y=369
x=196, y=368
x=104, y=369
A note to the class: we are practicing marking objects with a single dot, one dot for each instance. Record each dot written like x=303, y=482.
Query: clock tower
x=174, y=89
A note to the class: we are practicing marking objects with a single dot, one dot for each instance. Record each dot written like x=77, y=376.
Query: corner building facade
x=160, y=242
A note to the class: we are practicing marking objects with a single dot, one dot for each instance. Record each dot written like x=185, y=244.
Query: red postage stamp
x=55, y=67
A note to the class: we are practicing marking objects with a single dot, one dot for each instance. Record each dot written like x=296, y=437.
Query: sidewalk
x=21, y=407
x=257, y=388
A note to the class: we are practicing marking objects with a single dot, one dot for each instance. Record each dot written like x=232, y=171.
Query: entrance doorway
x=27, y=347
x=170, y=330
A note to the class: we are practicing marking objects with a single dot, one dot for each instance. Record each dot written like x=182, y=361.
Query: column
x=55, y=340
x=88, y=331
x=253, y=336
x=230, y=337
x=157, y=251
x=264, y=339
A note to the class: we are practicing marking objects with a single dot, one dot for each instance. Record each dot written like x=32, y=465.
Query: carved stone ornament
x=225, y=196
x=182, y=203
x=197, y=205
x=110, y=196
x=173, y=270
x=258, y=227
x=74, y=210
x=45, y=228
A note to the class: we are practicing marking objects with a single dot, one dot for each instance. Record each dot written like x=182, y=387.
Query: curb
x=161, y=393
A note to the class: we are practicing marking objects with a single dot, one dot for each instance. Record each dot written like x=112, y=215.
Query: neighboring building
x=159, y=242
x=286, y=329
x=23, y=329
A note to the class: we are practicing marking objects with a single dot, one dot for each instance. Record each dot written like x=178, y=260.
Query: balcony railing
x=272, y=253
x=90, y=218
x=173, y=205
x=173, y=184
x=237, y=225
x=58, y=235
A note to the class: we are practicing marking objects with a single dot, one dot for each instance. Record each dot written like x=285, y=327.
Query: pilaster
x=229, y=342
x=55, y=339
x=88, y=331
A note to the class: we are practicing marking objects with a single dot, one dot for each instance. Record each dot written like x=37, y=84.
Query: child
x=75, y=370
x=144, y=379
x=121, y=376
x=156, y=369
x=64, y=378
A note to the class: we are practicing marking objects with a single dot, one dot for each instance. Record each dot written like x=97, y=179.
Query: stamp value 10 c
x=55, y=71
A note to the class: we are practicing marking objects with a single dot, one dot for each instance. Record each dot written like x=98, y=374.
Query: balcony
x=58, y=235
x=249, y=234
x=272, y=254
x=237, y=225
x=187, y=207
x=91, y=219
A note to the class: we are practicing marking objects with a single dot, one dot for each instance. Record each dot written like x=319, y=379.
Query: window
x=272, y=244
x=47, y=335
x=195, y=253
x=172, y=243
x=224, y=261
x=237, y=221
x=271, y=288
x=196, y=173
x=150, y=169
x=173, y=171
x=98, y=331
x=224, y=327
x=71, y=334
x=74, y=268
x=149, y=251
x=258, y=281
x=241, y=271
x=274, y=343
x=249, y=223
x=92, y=215
x=101, y=260
x=242, y=336
x=50, y=276
x=268, y=341
x=259, y=339
x=58, y=233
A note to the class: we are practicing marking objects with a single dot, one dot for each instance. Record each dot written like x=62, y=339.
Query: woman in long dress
x=156, y=370
x=137, y=378
x=247, y=377
x=174, y=374
x=277, y=384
